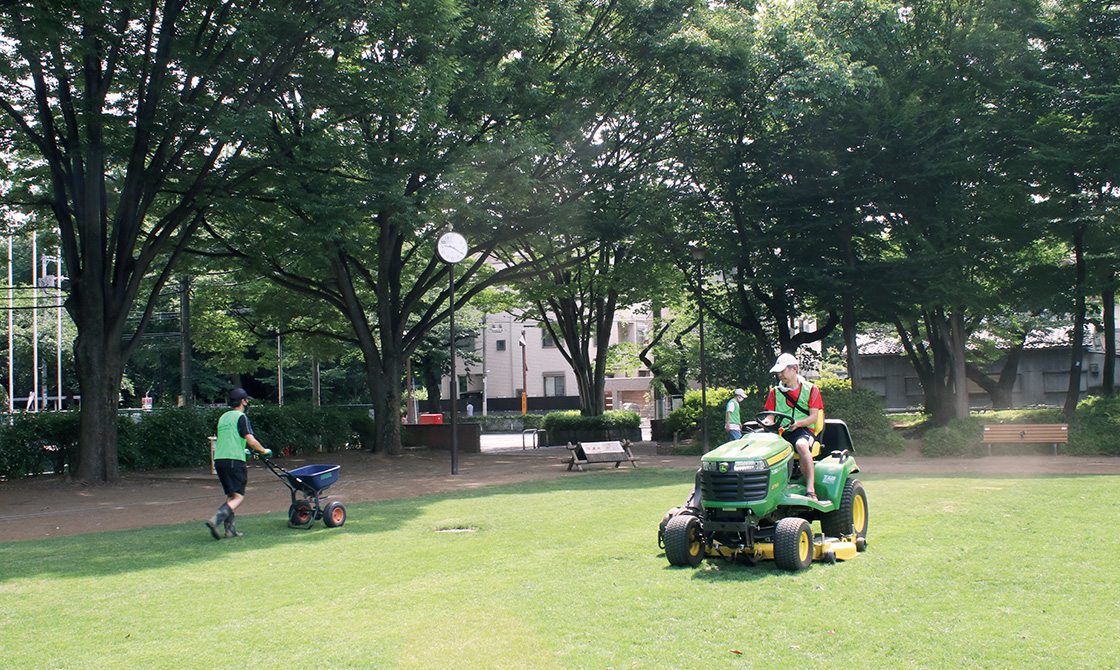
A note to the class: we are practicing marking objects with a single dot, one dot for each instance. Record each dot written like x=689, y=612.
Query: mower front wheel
x=793, y=544
x=684, y=544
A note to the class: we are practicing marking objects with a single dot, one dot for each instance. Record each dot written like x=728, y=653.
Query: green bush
x=165, y=438
x=687, y=419
x=1095, y=427
x=177, y=438
x=500, y=423
x=1092, y=430
x=573, y=420
x=37, y=443
x=862, y=411
x=959, y=437
x=309, y=430
x=571, y=426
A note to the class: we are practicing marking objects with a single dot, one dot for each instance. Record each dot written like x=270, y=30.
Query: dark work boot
x=223, y=513
x=231, y=529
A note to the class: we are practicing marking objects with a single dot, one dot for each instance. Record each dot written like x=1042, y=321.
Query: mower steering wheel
x=777, y=421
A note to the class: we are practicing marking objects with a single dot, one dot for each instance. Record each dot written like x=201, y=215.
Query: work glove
x=267, y=453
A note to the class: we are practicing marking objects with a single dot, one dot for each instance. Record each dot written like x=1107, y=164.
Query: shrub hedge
x=860, y=409
x=571, y=426
x=177, y=438
x=1092, y=430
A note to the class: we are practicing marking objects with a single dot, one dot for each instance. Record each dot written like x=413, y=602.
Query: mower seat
x=834, y=437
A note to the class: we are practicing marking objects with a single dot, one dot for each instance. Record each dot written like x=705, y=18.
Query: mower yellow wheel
x=793, y=544
x=683, y=541
x=850, y=518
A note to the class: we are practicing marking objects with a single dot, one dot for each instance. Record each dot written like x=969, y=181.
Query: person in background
x=235, y=437
x=732, y=424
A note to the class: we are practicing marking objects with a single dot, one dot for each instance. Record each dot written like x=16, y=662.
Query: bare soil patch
x=54, y=506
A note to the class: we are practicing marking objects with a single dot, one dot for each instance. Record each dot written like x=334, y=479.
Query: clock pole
x=454, y=387
x=452, y=248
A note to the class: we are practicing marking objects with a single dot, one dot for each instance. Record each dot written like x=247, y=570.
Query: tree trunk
x=1001, y=391
x=385, y=389
x=98, y=360
x=849, y=327
x=1073, y=392
x=432, y=385
x=958, y=373
x=930, y=364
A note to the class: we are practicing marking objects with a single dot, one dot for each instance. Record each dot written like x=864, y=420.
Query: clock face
x=452, y=247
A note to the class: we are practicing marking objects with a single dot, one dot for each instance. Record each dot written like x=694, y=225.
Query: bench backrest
x=1040, y=433
x=585, y=449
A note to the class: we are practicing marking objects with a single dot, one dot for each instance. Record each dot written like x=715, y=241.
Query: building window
x=547, y=341
x=500, y=345
x=554, y=385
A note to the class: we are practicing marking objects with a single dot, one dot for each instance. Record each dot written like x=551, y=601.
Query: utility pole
x=186, y=373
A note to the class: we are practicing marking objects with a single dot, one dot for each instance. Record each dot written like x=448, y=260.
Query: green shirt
x=733, y=412
x=231, y=444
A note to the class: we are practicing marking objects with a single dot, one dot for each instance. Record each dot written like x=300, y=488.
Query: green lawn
x=960, y=572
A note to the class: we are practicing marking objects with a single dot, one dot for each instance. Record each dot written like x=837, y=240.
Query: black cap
x=237, y=395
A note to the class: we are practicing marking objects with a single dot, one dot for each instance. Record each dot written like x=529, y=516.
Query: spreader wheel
x=335, y=514
x=684, y=545
x=851, y=517
x=300, y=513
x=793, y=544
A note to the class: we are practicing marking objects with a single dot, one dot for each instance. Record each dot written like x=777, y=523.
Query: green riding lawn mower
x=750, y=504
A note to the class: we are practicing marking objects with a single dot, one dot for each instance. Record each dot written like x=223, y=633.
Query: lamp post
x=698, y=256
x=524, y=376
x=452, y=248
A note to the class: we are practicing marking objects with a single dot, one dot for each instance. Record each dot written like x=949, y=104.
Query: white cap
x=783, y=362
x=740, y=393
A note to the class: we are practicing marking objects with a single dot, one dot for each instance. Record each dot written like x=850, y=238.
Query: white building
x=494, y=383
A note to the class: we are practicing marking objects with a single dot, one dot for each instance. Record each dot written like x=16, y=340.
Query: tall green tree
x=953, y=199
x=127, y=117
x=428, y=117
x=1078, y=112
x=755, y=76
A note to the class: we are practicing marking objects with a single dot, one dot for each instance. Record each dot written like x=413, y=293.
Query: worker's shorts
x=794, y=436
x=232, y=474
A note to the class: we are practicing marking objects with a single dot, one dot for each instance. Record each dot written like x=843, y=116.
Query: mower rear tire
x=684, y=546
x=793, y=544
x=851, y=517
x=334, y=515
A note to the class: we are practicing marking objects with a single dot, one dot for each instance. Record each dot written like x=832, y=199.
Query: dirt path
x=49, y=507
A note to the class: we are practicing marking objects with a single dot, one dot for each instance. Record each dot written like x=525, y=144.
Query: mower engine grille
x=734, y=486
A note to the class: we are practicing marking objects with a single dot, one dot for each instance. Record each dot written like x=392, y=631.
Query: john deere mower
x=749, y=502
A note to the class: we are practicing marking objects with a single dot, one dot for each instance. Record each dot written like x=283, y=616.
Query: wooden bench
x=1028, y=433
x=615, y=452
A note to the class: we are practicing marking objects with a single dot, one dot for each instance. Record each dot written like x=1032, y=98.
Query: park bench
x=1037, y=433
x=615, y=452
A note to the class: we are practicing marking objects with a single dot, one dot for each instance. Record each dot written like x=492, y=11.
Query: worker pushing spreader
x=307, y=485
x=751, y=502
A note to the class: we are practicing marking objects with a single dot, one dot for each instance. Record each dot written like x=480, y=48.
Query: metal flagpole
x=524, y=376
x=35, y=320
x=11, y=367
